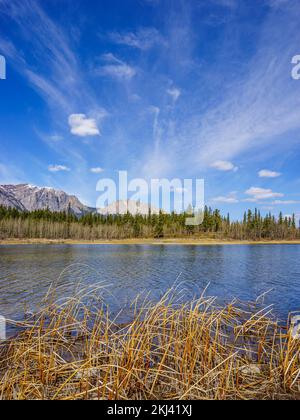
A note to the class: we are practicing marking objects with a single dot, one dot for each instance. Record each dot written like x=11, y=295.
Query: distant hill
x=30, y=198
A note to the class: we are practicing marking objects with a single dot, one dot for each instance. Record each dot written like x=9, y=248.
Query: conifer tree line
x=44, y=224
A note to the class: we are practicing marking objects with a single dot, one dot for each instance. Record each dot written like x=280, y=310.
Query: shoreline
x=170, y=241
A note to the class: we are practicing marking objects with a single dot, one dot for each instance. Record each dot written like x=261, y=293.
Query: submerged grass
x=75, y=350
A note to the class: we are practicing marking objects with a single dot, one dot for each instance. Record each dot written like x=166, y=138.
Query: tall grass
x=198, y=350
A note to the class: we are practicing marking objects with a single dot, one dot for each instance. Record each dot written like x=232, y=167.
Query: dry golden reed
x=192, y=351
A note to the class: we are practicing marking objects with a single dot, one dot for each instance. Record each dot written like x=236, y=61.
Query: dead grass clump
x=169, y=351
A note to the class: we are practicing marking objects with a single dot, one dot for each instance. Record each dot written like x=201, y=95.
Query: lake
x=241, y=271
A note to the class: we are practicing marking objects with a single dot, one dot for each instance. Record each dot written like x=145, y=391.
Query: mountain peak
x=31, y=197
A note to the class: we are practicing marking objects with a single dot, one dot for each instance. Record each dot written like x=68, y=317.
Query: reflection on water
x=26, y=272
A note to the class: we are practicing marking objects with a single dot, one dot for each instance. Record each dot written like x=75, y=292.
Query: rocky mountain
x=8, y=200
x=29, y=197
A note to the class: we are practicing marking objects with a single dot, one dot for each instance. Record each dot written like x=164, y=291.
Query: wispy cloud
x=58, y=168
x=46, y=56
x=97, y=170
x=60, y=79
x=230, y=199
x=257, y=193
x=143, y=39
x=59, y=66
x=115, y=68
x=175, y=93
x=223, y=118
x=253, y=111
x=55, y=137
x=152, y=2
x=157, y=132
x=11, y=174
x=285, y=202
x=231, y=4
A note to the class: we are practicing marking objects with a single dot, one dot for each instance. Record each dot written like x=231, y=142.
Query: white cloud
x=116, y=68
x=265, y=173
x=175, y=93
x=83, y=126
x=120, y=71
x=257, y=193
x=223, y=165
x=97, y=170
x=231, y=198
x=58, y=168
x=225, y=200
x=143, y=39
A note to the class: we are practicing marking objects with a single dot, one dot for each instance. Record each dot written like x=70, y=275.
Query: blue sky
x=160, y=88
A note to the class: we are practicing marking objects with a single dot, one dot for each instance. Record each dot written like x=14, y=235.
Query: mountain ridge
x=30, y=197
x=27, y=197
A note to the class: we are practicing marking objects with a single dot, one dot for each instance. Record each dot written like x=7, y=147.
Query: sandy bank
x=173, y=241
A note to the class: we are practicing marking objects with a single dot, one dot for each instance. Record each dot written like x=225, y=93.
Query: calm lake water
x=245, y=272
